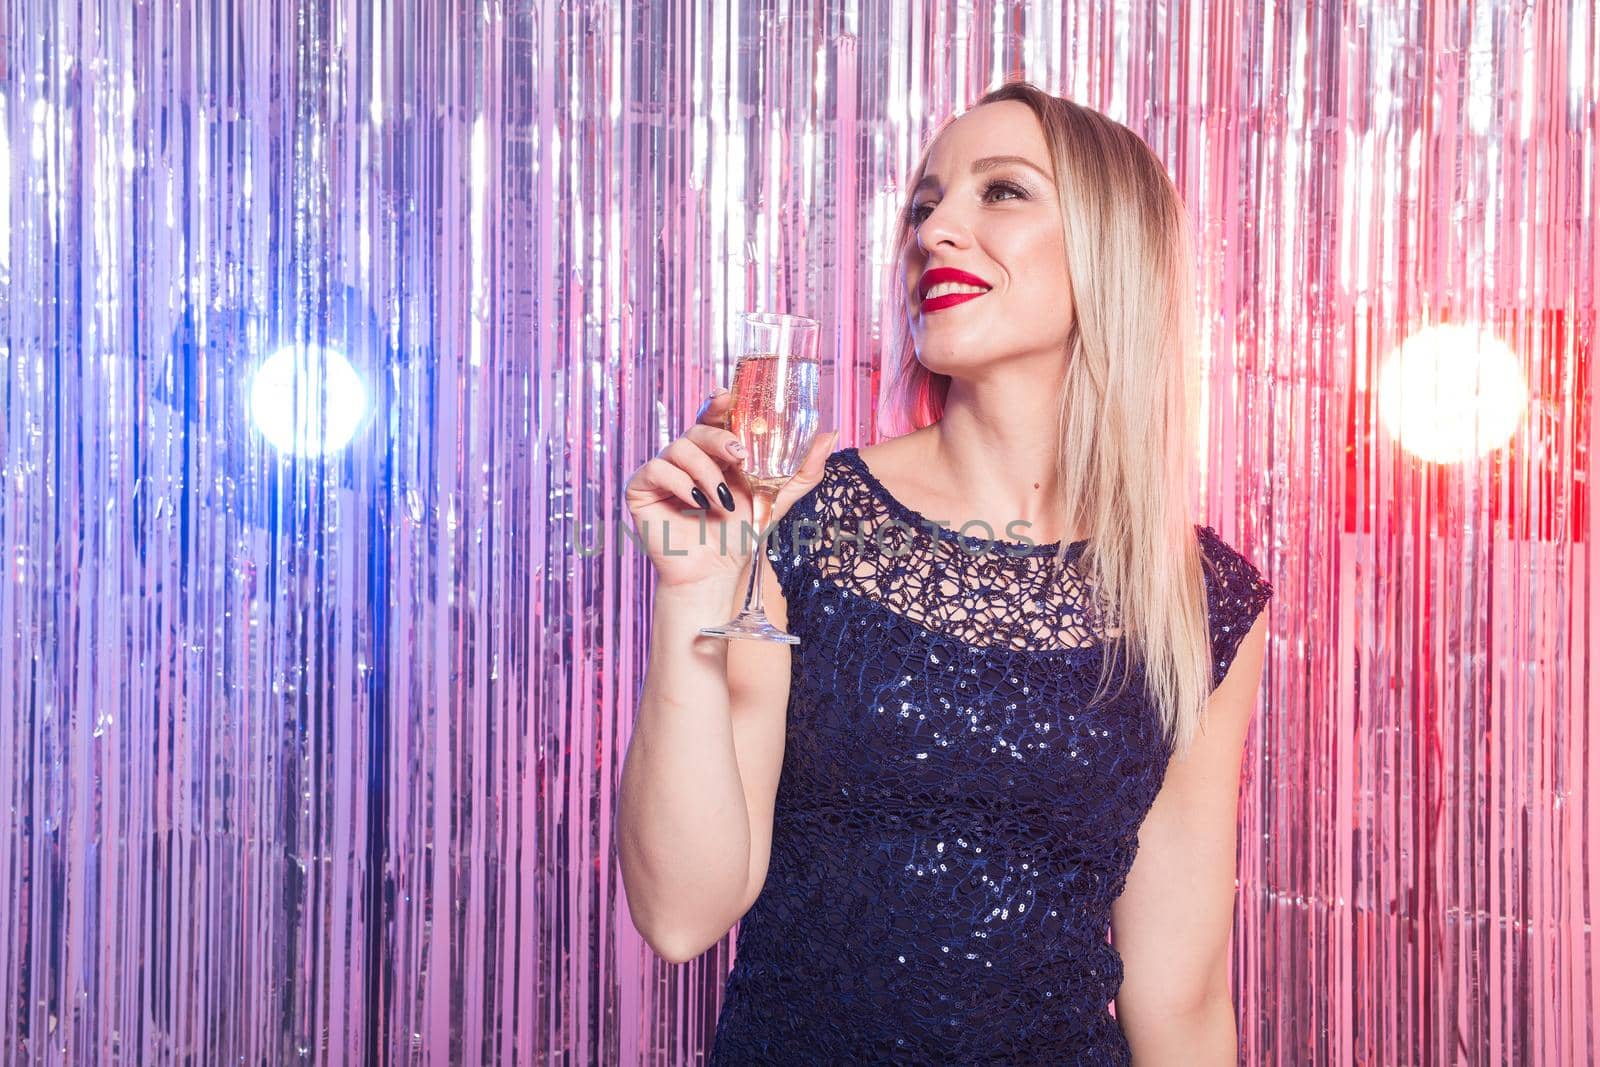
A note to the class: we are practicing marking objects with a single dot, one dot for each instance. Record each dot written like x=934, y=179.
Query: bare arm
x=701, y=775
x=1173, y=922
x=694, y=816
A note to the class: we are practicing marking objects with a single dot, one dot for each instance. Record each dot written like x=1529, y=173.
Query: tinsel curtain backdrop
x=314, y=759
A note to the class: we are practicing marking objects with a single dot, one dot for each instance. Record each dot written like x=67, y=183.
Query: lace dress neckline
x=915, y=518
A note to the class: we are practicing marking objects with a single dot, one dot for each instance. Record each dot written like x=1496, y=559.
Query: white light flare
x=307, y=400
x=1452, y=393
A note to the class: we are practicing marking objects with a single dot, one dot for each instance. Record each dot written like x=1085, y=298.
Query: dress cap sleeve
x=1236, y=592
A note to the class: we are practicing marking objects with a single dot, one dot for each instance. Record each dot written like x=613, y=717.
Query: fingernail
x=735, y=448
x=700, y=497
x=718, y=391
x=724, y=495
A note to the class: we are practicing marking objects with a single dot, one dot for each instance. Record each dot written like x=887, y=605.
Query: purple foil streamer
x=315, y=761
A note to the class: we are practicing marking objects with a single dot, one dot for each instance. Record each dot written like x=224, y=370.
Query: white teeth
x=944, y=288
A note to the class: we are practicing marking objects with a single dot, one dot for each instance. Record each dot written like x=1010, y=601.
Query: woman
x=988, y=751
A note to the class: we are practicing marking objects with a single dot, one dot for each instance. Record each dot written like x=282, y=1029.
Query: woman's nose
x=941, y=226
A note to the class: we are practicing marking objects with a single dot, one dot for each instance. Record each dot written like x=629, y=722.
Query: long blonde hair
x=1125, y=415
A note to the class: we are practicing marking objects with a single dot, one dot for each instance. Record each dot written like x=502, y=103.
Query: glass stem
x=761, y=501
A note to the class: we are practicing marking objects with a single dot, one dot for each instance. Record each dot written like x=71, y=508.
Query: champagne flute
x=775, y=416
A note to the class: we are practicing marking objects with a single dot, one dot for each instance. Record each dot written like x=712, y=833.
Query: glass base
x=752, y=625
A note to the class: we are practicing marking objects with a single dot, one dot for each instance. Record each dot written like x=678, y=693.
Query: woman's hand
x=694, y=538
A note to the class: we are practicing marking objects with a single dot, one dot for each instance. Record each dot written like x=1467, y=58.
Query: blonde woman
x=1015, y=721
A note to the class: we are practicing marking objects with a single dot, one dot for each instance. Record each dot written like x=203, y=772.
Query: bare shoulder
x=898, y=458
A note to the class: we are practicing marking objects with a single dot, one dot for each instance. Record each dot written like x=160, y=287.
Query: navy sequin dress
x=952, y=825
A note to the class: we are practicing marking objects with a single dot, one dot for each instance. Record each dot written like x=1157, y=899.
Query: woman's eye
x=918, y=212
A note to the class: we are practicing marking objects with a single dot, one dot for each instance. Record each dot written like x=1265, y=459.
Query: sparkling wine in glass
x=775, y=416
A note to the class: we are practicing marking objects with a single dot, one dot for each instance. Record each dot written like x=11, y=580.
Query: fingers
x=817, y=457
x=663, y=474
x=702, y=470
x=715, y=409
x=693, y=468
x=809, y=474
x=721, y=445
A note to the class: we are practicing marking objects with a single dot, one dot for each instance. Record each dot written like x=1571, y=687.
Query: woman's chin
x=953, y=355
x=960, y=353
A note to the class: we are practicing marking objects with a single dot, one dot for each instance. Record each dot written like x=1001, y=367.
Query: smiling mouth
x=950, y=299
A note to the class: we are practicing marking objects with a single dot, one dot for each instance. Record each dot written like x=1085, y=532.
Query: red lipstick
x=947, y=300
x=940, y=275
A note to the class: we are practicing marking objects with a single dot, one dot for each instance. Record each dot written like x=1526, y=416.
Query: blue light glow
x=307, y=400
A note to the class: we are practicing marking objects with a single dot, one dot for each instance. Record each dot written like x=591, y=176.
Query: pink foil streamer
x=316, y=761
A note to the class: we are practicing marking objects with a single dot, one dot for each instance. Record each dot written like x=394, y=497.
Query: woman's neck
x=972, y=465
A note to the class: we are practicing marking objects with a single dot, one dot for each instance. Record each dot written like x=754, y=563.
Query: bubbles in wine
x=774, y=412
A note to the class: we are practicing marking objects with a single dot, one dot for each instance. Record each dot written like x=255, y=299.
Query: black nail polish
x=700, y=497
x=724, y=495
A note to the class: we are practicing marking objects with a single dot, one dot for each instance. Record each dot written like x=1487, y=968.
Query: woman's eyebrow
x=986, y=163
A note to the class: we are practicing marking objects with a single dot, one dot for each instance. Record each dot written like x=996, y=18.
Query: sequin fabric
x=952, y=822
